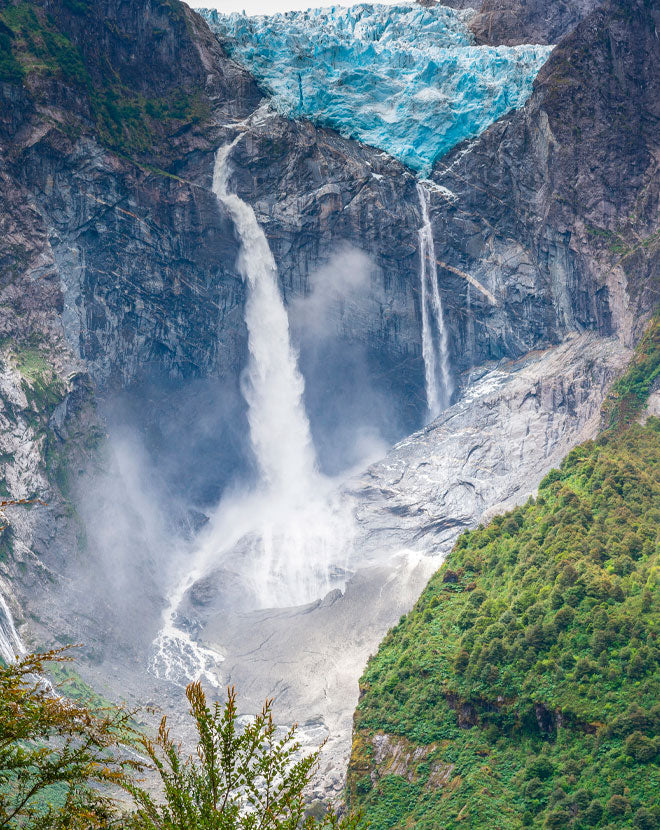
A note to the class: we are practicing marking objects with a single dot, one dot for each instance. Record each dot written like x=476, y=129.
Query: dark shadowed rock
x=555, y=208
x=512, y=22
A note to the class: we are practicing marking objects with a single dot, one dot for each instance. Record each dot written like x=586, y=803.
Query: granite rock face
x=554, y=209
x=512, y=22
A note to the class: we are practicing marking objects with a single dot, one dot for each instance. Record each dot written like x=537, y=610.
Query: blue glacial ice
x=406, y=79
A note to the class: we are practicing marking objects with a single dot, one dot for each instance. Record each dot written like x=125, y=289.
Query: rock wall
x=143, y=257
x=555, y=208
x=512, y=22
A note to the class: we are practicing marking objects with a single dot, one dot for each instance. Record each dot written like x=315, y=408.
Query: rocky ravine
x=485, y=454
x=118, y=268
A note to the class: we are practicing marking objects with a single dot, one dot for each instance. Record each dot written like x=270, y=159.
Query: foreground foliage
x=251, y=777
x=57, y=758
x=523, y=689
x=63, y=765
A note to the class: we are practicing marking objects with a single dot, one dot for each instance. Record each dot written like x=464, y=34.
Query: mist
x=357, y=404
x=186, y=516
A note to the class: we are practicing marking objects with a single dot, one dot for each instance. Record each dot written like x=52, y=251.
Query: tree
x=55, y=753
x=242, y=778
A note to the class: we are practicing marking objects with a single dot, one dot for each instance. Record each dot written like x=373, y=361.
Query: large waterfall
x=273, y=388
x=287, y=539
x=434, y=333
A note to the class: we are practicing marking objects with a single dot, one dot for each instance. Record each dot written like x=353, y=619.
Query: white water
x=439, y=385
x=279, y=428
x=11, y=646
x=177, y=656
x=286, y=541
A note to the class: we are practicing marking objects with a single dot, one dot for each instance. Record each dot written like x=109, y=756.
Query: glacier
x=406, y=79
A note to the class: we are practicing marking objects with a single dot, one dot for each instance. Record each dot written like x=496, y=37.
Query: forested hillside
x=523, y=688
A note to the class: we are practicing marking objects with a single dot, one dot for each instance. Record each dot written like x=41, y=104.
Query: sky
x=266, y=6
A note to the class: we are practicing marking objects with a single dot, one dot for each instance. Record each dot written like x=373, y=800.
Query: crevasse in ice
x=406, y=79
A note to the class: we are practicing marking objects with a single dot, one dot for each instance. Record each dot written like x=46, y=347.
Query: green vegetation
x=64, y=762
x=55, y=754
x=71, y=685
x=42, y=387
x=10, y=68
x=246, y=778
x=523, y=689
x=630, y=393
x=37, y=46
x=530, y=663
x=124, y=119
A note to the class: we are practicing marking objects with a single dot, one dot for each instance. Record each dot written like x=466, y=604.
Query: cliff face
x=512, y=22
x=132, y=249
x=119, y=264
x=142, y=258
x=555, y=209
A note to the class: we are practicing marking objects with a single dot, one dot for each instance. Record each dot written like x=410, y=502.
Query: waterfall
x=11, y=646
x=435, y=351
x=287, y=540
x=279, y=428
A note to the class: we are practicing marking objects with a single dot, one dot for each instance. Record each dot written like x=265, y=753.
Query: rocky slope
x=512, y=22
x=486, y=453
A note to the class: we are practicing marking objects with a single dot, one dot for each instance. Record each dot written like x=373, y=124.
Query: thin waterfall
x=435, y=350
x=288, y=538
x=11, y=646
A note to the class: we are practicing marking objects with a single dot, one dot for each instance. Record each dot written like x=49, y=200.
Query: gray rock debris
x=485, y=454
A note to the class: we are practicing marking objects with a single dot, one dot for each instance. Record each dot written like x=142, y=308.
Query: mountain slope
x=521, y=691
x=528, y=21
x=577, y=221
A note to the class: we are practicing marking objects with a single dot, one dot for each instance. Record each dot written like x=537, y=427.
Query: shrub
x=593, y=813
x=645, y=820
x=640, y=747
x=564, y=617
x=618, y=805
x=541, y=768
x=241, y=778
x=534, y=789
x=364, y=785
x=557, y=820
x=51, y=746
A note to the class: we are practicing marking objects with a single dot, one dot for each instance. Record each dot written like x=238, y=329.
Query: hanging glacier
x=406, y=79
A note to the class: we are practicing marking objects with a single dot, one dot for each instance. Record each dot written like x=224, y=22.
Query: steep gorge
x=119, y=280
